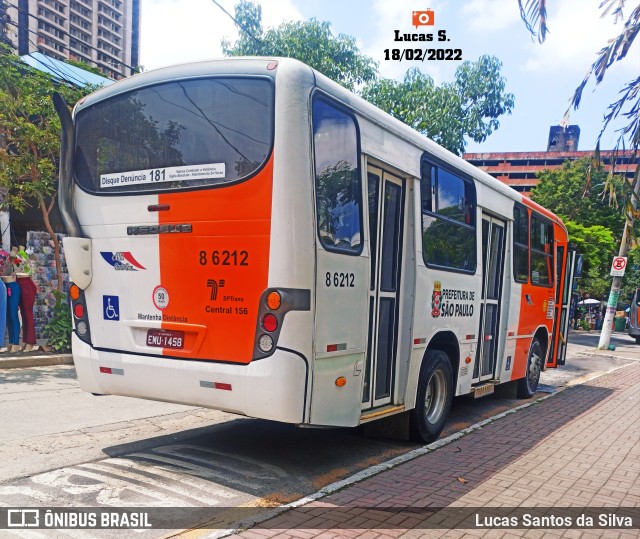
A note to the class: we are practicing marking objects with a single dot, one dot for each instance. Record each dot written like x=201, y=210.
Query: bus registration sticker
x=162, y=175
x=165, y=338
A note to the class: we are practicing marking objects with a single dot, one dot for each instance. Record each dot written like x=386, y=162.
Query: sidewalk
x=38, y=358
x=579, y=448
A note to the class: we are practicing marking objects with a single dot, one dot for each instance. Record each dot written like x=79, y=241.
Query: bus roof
x=264, y=66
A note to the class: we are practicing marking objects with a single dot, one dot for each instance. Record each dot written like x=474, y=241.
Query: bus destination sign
x=161, y=175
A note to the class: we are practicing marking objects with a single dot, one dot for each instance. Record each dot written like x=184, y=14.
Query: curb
x=40, y=360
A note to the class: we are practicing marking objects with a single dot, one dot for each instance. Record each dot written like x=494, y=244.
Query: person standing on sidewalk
x=28, y=291
x=13, y=300
x=3, y=312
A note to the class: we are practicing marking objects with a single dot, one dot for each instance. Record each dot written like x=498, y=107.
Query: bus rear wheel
x=528, y=385
x=433, y=401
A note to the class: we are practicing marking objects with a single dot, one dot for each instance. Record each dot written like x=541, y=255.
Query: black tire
x=638, y=340
x=528, y=385
x=433, y=401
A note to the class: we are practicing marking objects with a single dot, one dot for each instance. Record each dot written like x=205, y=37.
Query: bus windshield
x=177, y=135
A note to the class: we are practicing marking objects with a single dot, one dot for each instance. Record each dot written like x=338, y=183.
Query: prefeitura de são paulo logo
x=436, y=299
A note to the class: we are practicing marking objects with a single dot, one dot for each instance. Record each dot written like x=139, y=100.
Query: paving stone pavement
x=578, y=449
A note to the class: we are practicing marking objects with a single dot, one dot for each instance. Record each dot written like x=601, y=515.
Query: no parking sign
x=618, y=266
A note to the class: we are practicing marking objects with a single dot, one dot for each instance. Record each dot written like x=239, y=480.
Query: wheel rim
x=435, y=397
x=533, y=376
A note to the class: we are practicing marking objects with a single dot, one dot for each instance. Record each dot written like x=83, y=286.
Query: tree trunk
x=56, y=243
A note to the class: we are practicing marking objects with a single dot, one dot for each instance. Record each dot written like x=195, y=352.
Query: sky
x=542, y=77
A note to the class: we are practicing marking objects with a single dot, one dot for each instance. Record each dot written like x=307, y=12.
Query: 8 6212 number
x=340, y=280
x=225, y=258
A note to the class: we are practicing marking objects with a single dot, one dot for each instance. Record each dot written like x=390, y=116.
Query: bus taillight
x=265, y=343
x=274, y=306
x=74, y=292
x=274, y=300
x=78, y=310
x=269, y=322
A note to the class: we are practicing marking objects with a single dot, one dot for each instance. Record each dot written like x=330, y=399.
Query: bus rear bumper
x=272, y=388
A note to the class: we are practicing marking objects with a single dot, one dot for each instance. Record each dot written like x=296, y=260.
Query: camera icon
x=422, y=18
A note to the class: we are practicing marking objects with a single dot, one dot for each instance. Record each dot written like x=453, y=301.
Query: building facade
x=519, y=170
x=102, y=33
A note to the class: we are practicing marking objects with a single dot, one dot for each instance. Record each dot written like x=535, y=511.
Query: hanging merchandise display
x=43, y=274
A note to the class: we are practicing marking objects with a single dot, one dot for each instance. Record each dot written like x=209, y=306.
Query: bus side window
x=541, y=239
x=448, y=219
x=337, y=178
x=520, y=245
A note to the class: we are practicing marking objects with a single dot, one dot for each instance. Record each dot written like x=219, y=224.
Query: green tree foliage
x=467, y=107
x=58, y=330
x=30, y=138
x=591, y=215
x=563, y=191
x=595, y=243
x=311, y=42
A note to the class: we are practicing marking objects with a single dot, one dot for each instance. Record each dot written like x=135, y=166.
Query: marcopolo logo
x=422, y=18
x=122, y=260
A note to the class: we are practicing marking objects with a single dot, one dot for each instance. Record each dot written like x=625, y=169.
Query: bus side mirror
x=638, y=297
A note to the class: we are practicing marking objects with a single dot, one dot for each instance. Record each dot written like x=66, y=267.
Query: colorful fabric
x=27, y=299
x=3, y=312
x=13, y=322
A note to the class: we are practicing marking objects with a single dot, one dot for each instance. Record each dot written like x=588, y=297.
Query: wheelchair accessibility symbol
x=110, y=307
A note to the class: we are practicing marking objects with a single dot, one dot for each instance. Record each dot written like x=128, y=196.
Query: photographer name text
x=603, y=520
x=419, y=54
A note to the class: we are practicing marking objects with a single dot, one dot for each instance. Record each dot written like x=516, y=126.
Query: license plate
x=165, y=338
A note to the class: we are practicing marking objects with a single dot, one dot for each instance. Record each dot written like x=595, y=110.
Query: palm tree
x=534, y=15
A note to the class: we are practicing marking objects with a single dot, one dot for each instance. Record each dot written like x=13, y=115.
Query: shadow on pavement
x=35, y=375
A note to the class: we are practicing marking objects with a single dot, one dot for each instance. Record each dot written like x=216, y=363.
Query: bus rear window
x=177, y=135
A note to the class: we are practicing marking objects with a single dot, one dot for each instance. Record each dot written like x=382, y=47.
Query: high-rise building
x=102, y=33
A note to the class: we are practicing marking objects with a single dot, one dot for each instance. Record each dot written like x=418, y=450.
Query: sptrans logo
x=122, y=260
x=422, y=18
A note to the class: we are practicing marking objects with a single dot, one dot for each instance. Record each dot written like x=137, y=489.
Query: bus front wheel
x=433, y=401
x=528, y=385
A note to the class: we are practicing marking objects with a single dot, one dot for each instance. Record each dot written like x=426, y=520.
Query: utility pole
x=616, y=284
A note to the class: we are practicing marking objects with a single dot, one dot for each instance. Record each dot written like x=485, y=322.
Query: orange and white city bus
x=247, y=235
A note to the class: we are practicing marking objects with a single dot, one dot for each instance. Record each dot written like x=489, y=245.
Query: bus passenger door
x=563, y=292
x=386, y=200
x=493, y=255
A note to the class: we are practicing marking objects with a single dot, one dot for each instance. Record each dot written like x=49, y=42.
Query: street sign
x=618, y=266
